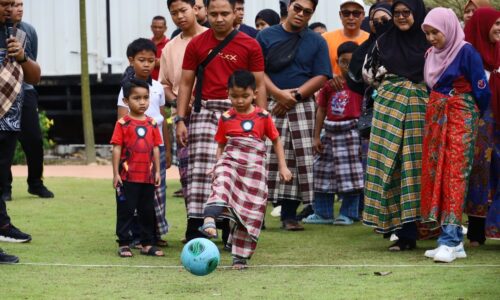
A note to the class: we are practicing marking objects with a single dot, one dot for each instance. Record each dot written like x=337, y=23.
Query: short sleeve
x=120, y=100
x=190, y=61
x=271, y=131
x=220, y=135
x=256, y=58
x=117, y=137
x=322, y=64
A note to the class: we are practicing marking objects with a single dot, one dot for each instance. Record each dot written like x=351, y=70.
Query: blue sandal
x=207, y=225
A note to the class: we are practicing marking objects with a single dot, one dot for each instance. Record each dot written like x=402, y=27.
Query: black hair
x=141, y=44
x=160, y=18
x=232, y=2
x=346, y=47
x=317, y=25
x=242, y=79
x=190, y=2
x=314, y=2
x=240, y=1
x=283, y=10
x=131, y=84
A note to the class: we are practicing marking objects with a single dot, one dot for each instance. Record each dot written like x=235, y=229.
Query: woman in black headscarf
x=392, y=187
x=266, y=18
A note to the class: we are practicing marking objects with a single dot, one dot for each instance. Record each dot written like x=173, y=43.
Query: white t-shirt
x=156, y=100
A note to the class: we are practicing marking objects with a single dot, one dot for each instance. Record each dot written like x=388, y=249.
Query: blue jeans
x=350, y=206
x=451, y=235
x=323, y=205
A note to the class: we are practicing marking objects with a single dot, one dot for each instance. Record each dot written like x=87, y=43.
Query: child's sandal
x=208, y=225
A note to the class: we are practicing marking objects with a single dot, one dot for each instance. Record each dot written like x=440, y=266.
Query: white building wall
x=57, y=23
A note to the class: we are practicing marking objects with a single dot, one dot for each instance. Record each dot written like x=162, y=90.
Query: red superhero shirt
x=137, y=138
x=340, y=106
x=257, y=124
x=242, y=53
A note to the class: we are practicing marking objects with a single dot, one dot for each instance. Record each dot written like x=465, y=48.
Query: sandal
x=124, y=251
x=152, y=251
x=402, y=245
x=161, y=243
x=239, y=263
x=207, y=225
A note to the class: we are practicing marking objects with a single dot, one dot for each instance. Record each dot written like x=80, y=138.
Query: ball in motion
x=200, y=256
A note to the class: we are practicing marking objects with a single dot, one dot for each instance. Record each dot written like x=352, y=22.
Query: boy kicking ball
x=136, y=169
x=239, y=189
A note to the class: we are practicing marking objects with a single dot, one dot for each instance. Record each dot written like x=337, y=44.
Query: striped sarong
x=160, y=199
x=339, y=168
x=202, y=148
x=240, y=186
x=392, y=182
x=296, y=133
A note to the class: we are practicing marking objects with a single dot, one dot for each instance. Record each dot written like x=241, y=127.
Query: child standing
x=141, y=54
x=459, y=93
x=136, y=169
x=239, y=189
x=338, y=166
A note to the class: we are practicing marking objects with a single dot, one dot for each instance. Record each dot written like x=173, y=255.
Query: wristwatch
x=178, y=119
x=23, y=60
x=298, y=96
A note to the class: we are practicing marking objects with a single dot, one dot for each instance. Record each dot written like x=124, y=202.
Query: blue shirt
x=311, y=59
x=31, y=47
x=469, y=64
x=248, y=30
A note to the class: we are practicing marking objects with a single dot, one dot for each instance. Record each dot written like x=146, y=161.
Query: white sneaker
x=445, y=254
x=276, y=212
x=459, y=252
x=394, y=238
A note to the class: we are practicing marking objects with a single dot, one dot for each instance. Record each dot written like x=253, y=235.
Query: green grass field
x=73, y=256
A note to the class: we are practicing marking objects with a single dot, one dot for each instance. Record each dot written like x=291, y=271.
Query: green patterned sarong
x=392, y=183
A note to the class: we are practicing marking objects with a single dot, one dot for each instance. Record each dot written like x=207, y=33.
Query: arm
x=122, y=111
x=284, y=172
x=285, y=98
x=185, y=90
x=311, y=86
x=220, y=149
x=474, y=72
x=156, y=162
x=261, y=100
x=31, y=69
x=166, y=137
x=115, y=159
x=320, y=119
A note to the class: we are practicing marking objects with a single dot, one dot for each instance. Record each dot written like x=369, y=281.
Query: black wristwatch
x=178, y=119
x=298, y=96
x=23, y=60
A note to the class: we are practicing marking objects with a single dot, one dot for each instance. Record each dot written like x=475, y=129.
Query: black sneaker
x=7, y=258
x=6, y=195
x=13, y=235
x=41, y=191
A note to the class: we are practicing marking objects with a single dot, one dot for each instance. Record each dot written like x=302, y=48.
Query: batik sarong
x=339, y=168
x=492, y=225
x=448, y=150
x=202, y=149
x=240, y=186
x=392, y=182
x=296, y=134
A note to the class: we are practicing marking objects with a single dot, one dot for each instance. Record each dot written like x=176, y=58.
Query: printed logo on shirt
x=229, y=57
x=481, y=84
x=339, y=102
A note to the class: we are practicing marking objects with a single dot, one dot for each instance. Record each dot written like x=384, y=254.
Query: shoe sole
x=442, y=260
x=9, y=262
x=13, y=240
x=460, y=254
x=317, y=223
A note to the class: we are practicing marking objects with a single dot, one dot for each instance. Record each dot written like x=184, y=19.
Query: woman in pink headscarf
x=459, y=95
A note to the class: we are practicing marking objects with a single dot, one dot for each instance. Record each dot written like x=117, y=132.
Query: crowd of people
x=396, y=115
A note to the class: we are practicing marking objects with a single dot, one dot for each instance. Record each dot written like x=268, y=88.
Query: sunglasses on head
x=404, y=13
x=306, y=11
x=355, y=13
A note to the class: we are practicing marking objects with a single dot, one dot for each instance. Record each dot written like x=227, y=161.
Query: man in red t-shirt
x=158, y=27
x=242, y=52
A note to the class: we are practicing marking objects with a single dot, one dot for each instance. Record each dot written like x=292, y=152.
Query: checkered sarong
x=296, y=133
x=160, y=200
x=392, y=183
x=202, y=148
x=339, y=168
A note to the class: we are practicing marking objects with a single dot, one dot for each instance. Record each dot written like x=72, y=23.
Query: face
x=469, y=11
x=158, y=27
x=319, y=30
x=403, y=17
x=17, y=11
x=435, y=37
x=352, y=16
x=221, y=16
x=239, y=9
x=495, y=32
x=183, y=15
x=202, y=11
x=299, y=13
x=6, y=7
x=143, y=64
x=261, y=24
x=242, y=99
x=344, y=61
x=380, y=17
x=138, y=101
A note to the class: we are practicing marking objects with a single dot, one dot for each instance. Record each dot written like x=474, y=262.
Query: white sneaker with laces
x=459, y=252
x=445, y=254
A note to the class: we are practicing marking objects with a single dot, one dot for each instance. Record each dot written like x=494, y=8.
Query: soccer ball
x=200, y=256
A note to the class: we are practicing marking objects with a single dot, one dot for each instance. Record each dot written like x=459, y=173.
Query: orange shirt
x=334, y=39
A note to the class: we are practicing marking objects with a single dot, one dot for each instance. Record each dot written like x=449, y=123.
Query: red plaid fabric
x=339, y=168
x=296, y=133
x=202, y=149
x=243, y=245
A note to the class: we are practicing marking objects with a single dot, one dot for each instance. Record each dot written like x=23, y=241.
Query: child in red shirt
x=239, y=189
x=136, y=169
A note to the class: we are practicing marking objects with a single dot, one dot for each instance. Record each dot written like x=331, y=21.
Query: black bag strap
x=201, y=69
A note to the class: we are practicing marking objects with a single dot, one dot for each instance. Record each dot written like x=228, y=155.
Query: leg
x=407, y=238
x=289, y=215
x=192, y=228
x=209, y=228
x=349, y=208
x=125, y=209
x=323, y=209
x=475, y=231
x=450, y=244
x=243, y=247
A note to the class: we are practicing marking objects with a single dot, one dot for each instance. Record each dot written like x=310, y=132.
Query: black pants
x=140, y=197
x=289, y=209
x=8, y=141
x=31, y=140
x=408, y=231
x=194, y=223
x=475, y=231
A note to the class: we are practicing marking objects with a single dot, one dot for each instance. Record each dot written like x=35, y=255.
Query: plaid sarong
x=392, y=183
x=202, y=148
x=296, y=133
x=339, y=168
x=161, y=197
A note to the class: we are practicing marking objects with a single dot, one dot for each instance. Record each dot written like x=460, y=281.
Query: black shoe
x=41, y=191
x=6, y=195
x=306, y=212
x=403, y=244
x=7, y=258
x=13, y=235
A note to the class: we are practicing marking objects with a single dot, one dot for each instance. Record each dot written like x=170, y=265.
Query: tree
x=88, y=125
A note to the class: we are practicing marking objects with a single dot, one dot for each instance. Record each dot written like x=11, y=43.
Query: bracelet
x=22, y=61
x=178, y=119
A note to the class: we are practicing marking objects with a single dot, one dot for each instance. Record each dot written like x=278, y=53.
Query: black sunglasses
x=355, y=13
x=405, y=13
x=306, y=11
